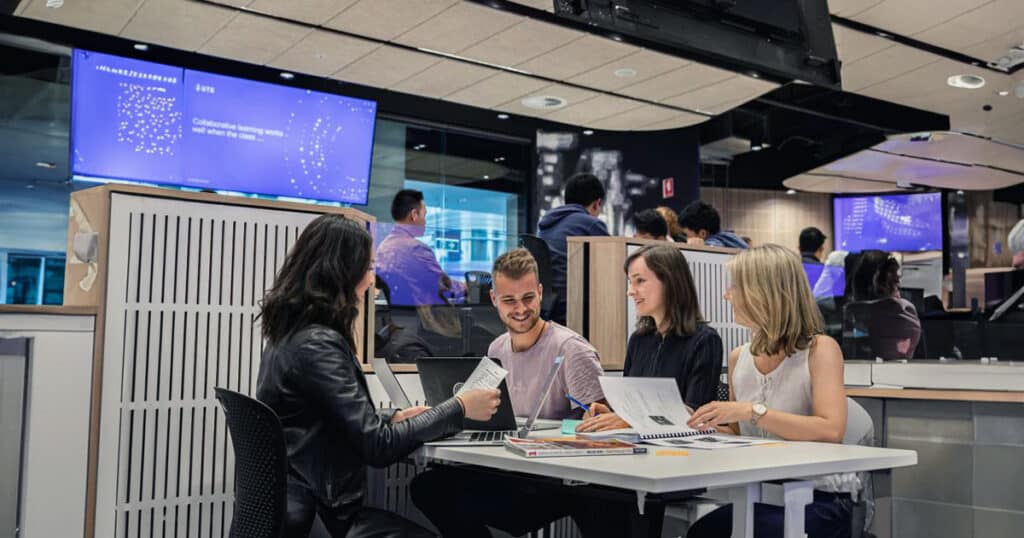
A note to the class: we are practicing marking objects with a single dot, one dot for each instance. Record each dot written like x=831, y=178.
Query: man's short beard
x=536, y=320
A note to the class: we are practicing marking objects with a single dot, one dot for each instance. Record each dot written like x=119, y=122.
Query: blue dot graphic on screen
x=148, y=122
x=897, y=222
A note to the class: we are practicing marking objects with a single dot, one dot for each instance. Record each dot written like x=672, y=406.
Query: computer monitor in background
x=826, y=280
x=890, y=222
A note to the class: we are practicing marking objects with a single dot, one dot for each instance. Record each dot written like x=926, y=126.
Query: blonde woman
x=787, y=383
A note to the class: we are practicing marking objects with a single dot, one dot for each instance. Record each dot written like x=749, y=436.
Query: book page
x=651, y=405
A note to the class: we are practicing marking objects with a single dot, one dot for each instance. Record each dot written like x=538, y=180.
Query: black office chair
x=261, y=467
x=540, y=251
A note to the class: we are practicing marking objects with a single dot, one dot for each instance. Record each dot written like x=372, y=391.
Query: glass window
x=53, y=280
x=23, y=279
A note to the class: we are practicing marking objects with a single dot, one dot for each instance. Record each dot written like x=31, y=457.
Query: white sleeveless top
x=787, y=388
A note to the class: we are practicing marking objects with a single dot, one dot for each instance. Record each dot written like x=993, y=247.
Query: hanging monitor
x=890, y=222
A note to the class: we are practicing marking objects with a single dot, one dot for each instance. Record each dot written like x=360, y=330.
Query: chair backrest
x=860, y=429
x=261, y=467
x=540, y=251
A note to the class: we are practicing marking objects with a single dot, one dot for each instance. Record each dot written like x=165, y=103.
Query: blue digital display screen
x=892, y=222
x=140, y=121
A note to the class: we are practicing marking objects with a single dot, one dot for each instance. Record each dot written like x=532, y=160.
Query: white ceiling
x=651, y=91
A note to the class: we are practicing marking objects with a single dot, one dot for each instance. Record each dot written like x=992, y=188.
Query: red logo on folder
x=668, y=189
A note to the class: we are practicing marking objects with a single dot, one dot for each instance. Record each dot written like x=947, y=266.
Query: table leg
x=794, y=496
x=742, y=499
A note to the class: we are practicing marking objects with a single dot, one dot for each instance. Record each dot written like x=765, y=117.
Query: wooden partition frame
x=599, y=309
x=163, y=255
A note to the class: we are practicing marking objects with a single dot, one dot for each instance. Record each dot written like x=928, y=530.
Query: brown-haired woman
x=671, y=339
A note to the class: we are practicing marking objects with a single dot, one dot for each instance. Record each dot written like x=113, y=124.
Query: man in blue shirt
x=702, y=226
x=584, y=196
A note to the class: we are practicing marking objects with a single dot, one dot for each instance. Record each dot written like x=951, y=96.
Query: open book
x=656, y=410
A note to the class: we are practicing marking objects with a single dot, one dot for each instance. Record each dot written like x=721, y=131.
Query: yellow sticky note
x=671, y=452
x=773, y=444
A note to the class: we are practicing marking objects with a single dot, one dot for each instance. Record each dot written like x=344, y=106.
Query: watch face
x=760, y=409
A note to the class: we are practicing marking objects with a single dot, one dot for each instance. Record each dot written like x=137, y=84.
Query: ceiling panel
x=443, y=78
x=106, y=16
x=385, y=67
x=677, y=82
x=813, y=182
x=683, y=119
x=874, y=165
x=578, y=57
x=496, y=90
x=977, y=26
x=521, y=42
x=644, y=64
x=847, y=8
x=729, y=92
x=853, y=45
x=908, y=17
x=572, y=95
x=254, y=39
x=311, y=11
x=644, y=116
x=959, y=148
x=459, y=27
x=889, y=63
x=594, y=109
x=386, y=19
x=546, y=5
x=323, y=53
x=172, y=23
x=993, y=48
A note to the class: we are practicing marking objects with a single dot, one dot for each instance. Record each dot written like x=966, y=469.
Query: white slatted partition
x=184, y=283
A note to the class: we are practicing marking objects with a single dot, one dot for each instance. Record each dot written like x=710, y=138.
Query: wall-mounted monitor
x=134, y=120
x=890, y=222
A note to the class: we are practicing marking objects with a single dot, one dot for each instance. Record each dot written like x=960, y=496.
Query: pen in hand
x=583, y=406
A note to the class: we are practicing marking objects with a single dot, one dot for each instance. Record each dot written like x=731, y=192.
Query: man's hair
x=650, y=222
x=583, y=189
x=515, y=264
x=811, y=239
x=404, y=202
x=699, y=216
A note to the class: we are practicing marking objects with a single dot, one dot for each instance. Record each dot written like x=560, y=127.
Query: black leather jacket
x=313, y=382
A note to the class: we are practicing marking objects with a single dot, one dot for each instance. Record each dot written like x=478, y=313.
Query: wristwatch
x=759, y=411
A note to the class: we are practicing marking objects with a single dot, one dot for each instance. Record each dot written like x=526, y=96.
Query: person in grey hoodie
x=702, y=225
x=584, y=196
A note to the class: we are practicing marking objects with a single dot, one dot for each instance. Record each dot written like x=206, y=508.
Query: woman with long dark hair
x=310, y=376
x=671, y=338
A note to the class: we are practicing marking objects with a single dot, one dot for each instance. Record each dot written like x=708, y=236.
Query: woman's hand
x=406, y=414
x=596, y=409
x=480, y=404
x=603, y=421
x=714, y=413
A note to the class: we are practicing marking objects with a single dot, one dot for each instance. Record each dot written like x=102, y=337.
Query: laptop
x=390, y=383
x=441, y=376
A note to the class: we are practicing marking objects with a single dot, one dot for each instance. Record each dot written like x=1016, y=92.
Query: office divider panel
x=13, y=366
x=184, y=277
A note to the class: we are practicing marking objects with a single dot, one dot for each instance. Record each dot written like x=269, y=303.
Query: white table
x=737, y=472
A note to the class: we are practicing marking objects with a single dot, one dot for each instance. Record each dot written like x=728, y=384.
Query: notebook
x=568, y=446
x=652, y=405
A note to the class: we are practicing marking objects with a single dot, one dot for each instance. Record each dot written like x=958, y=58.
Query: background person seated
x=650, y=224
x=703, y=226
x=812, y=245
x=878, y=316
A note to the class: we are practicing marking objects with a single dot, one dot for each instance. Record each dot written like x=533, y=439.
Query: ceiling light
x=287, y=76
x=544, y=102
x=754, y=74
x=970, y=82
x=755, y=148
x=141, y=46
x=791, y=192
x=588, y=132
x=499, y=159
x=616, y=37
x=487, y=177
x=502, y=116
x=1004, y=93
x=54, y=4
x=625, y=72
x=883, y=35
x=45, y=164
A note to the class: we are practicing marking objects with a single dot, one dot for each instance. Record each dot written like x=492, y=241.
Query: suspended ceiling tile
x=887, y=64
x=577, y=57
x=311, y=11
x=386, y=19
x=640, y=117
x=683, y=119
x=929, y=82
x=992, y=49
x=847, y=8
x=443, y=78
x=853, y=45
x=738, y=89
x=977, y=26
x=641, y=65
x=385, y=67
x=172, y=23
x=521, y=42
x=958, y=147
x=677, y=82
x=594, y=109
x=546, y=5
x=233, y=3
x=254, y=39
x=458, y=28
x=570, y=94
x=875, y=165
x=323, y=53
x=813, y=182
x=106, y=16
x=496, y=90
x=908, y=17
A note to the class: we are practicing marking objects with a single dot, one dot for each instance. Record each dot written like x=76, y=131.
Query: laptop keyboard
x=479, y=437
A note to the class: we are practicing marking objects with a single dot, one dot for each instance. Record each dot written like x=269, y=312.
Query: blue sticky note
x=569, y=426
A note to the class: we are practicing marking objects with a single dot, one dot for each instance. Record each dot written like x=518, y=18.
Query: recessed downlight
x=544, y=102
x=1003, y=93
x=970, y=82
x=286, y=75
x=625, y=72
x=502, y=116
x=588, y=132
x=141, y=47
x=791, y=192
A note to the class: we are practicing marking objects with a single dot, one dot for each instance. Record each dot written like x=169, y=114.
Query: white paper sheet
x=487, y=375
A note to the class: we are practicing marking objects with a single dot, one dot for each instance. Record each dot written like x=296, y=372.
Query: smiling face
x=518, y=301
x=646, y=290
